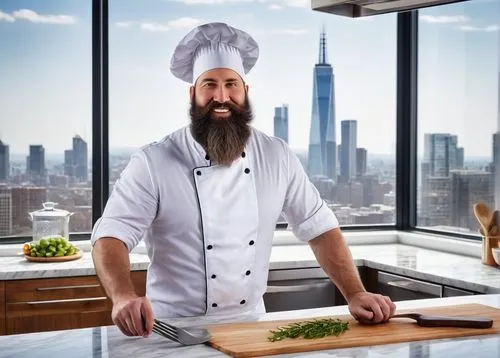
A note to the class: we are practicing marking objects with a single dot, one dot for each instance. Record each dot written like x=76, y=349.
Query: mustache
x=232, y=106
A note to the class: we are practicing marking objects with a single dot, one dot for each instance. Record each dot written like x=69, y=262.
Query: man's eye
x=231, y=84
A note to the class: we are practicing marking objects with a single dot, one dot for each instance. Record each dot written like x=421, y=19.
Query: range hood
x=359, y=8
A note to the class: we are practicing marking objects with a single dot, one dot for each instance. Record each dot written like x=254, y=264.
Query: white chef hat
x=213, y=45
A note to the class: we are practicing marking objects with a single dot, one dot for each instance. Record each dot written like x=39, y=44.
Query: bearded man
x=206, y=200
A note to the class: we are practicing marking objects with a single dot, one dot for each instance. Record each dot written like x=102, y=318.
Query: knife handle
x=465, y=322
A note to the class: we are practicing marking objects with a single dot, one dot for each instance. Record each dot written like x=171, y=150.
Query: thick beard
x=223, y=139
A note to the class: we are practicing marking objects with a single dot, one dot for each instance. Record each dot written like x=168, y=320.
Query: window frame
x=406, y=127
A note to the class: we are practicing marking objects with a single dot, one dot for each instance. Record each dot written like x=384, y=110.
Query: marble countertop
x=456, y=270
x=104, y=342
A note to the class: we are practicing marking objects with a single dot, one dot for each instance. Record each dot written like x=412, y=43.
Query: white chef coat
x=209, y=228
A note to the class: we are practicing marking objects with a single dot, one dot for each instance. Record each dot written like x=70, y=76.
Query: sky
x=45, y=70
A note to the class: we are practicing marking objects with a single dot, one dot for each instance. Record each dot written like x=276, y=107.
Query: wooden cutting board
x=249, y=339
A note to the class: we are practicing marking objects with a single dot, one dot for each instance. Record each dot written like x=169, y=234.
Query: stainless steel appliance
x=298, y=289
x=400, y=288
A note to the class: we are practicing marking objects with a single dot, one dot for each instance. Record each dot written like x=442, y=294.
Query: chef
x=206, y=199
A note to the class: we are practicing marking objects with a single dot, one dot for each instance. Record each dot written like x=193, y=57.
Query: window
x=347, y=75
x=45, y=111
x=458, y=113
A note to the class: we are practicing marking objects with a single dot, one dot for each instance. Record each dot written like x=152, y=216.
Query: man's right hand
x=133, y=315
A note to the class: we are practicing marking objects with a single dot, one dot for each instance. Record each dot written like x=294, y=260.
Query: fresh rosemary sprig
x=310, y=329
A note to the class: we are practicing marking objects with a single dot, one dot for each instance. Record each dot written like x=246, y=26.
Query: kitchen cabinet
x=402, y=288
x=2, y=308
x=38, y=305
x=298, y=289
x=303, y=288
x=452, y=292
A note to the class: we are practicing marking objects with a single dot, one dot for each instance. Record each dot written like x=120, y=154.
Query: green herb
x=310, y=329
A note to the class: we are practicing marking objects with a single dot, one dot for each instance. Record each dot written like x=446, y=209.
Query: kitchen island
x=109, y=342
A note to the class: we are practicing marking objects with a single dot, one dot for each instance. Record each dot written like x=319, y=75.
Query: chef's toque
x=213, y=45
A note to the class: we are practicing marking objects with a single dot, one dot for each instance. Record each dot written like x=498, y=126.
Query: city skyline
x=142, y=39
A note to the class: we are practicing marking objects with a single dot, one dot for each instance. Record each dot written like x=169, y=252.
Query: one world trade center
x=322, y=155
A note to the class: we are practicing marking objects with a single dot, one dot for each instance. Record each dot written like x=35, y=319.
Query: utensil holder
x=488, y=243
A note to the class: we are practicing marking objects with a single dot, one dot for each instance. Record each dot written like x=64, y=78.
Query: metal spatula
x=447, y=321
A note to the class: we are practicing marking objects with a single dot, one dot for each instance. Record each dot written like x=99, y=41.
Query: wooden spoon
x=493, y=223
x=483, y=216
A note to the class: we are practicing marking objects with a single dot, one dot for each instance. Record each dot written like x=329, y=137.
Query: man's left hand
x=370, y=308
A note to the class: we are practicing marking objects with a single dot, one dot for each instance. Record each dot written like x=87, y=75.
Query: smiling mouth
x=221, y=110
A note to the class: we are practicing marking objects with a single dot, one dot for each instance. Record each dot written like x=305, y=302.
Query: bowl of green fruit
x=52, y=248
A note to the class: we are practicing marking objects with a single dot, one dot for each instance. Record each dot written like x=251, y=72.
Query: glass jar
x=50, y=222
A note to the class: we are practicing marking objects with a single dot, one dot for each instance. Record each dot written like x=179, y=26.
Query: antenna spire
x=322, y=47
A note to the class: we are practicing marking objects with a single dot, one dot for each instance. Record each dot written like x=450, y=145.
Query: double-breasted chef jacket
x=209, y=228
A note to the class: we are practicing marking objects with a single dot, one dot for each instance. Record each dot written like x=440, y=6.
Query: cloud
x=180, y=23
x=211, y=2
x=6, y=17
x=154, y=27
x=124, y=24
x=275, y=7
x=297, y=3
x=293, y=32
x=32, y=16
x=489, y=28
x=444, y=19
x=184, y=22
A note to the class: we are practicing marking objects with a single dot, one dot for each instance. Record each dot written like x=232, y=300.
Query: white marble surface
x=460, y=271
x=104, y=342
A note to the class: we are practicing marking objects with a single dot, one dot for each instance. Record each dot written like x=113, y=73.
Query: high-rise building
x=322, y=157
x=4, y=162
x=360, y=161
x=36, y=161
x=469, y=187
x=460, y=158
x=436, y=201
x=281, y=122
x=68, y=162
x=80, y=165
x=349, y=134
x=442, y=154
x=496, y=146
x=24, y=201
x=5, y=210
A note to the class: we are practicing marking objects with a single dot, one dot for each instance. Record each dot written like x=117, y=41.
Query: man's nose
x=221, y=94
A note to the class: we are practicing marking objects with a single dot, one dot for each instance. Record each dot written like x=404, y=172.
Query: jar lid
x=49, y=210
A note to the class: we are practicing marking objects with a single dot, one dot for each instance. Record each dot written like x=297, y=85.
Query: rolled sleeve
x=305, y=211
x=131, y=207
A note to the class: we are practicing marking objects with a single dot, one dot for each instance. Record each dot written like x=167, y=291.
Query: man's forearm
x=112, y=265
x=335, y=258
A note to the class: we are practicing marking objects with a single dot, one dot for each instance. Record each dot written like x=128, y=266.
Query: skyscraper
x=442, y=153
x=496, y=145
x=5, y=210
x=24, y=201
x=361, y=161
x=281, y=122
x=36, y=161
x=322, y=156
x=80, y=166
x=469, y=187
x=4, y=161
x=68, y=162
x=349, y=134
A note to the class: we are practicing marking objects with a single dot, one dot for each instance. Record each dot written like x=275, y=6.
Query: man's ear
x=191, y=92
x=246, y=89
